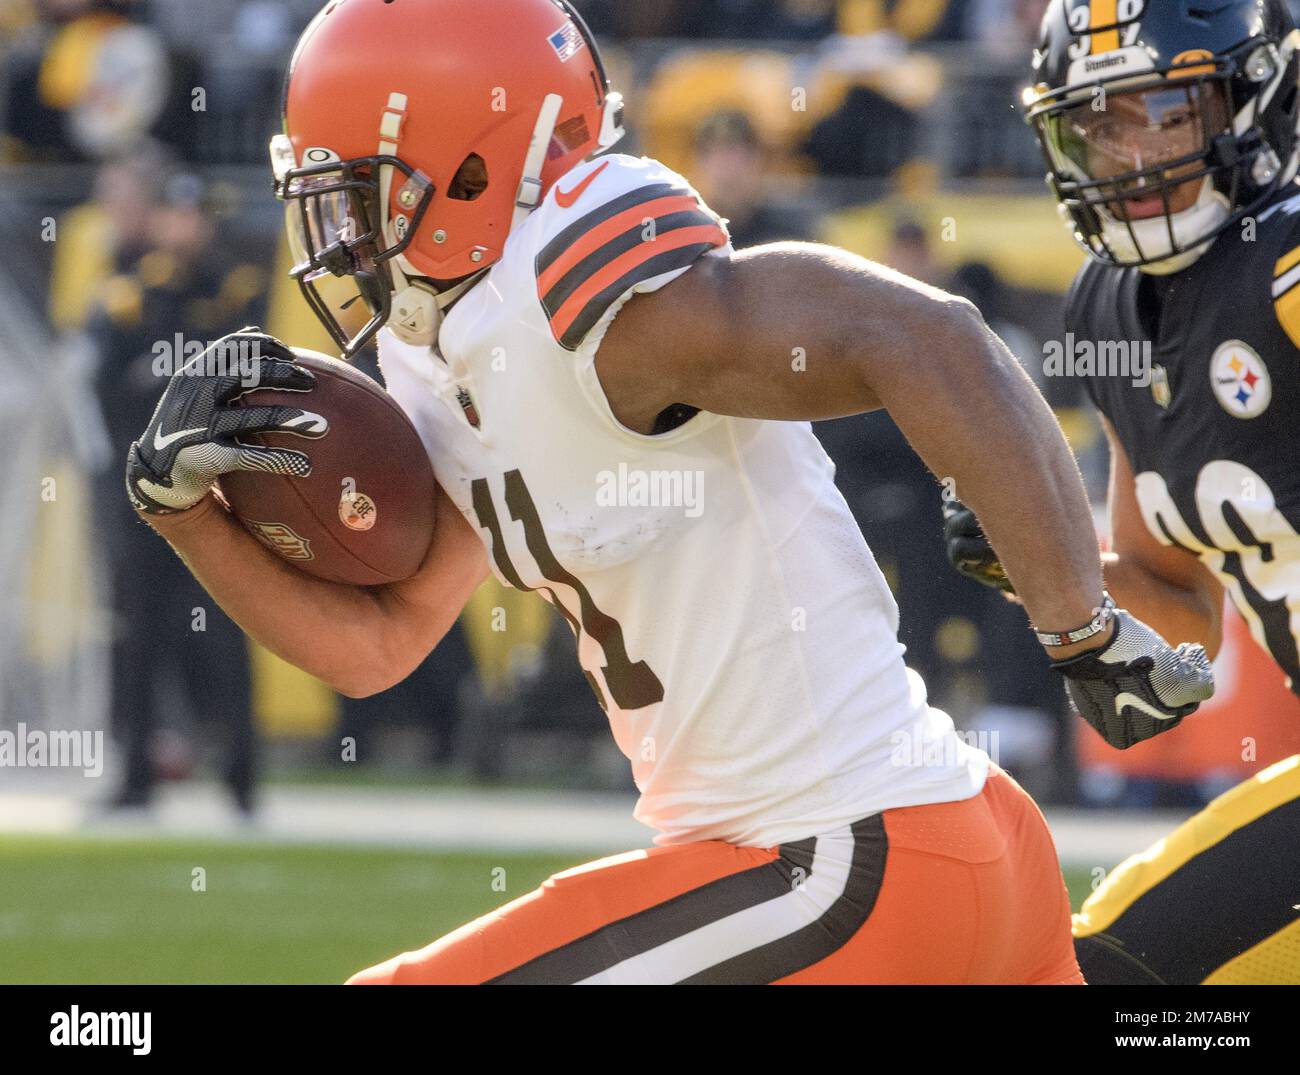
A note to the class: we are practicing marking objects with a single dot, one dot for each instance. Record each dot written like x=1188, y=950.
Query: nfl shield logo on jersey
x=1240, y=380
x=1160, y=386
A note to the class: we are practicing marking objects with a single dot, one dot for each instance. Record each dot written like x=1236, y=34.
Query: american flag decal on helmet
x=567, y=41
x=592, y=263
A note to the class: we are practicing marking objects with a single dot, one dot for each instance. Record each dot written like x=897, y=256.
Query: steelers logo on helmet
x=1240, y=380
x=1163, y=124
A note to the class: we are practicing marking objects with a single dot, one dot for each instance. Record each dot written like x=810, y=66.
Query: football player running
x=548, y=313
x=1171, y=138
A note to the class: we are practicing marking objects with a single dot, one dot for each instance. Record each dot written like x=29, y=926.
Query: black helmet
x=1164, y=122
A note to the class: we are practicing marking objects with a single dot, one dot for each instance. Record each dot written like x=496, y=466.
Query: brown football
x=364, y=515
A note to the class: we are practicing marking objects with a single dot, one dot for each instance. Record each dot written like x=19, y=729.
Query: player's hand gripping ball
x=315, y=459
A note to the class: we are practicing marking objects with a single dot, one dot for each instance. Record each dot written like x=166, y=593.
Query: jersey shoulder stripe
x=1282, y=218
x=635, y=237
x=1286, y=293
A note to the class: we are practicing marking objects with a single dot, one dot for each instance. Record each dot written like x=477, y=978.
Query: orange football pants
x=965, y=892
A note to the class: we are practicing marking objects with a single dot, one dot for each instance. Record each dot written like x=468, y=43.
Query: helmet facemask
x=1149, y=170
x=339, y=228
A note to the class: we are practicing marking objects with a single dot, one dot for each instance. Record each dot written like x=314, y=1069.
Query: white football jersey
x=728, y=612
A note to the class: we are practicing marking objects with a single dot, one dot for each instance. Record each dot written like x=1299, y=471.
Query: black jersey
x=1212, y=430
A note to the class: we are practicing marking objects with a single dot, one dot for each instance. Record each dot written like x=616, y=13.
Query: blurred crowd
x=141, y=126
x=203, y=77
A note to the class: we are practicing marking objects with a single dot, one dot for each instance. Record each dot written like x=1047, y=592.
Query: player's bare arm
x=800, y=332
x=726, y=339
x=359, y=640
x=1174, y=591
x=1169, y=586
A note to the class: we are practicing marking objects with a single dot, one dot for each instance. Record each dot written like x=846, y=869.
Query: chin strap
x=418, y=309
x=1204, y=211
x=529, y=195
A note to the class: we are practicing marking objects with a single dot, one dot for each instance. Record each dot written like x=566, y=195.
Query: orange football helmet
x=418, y=134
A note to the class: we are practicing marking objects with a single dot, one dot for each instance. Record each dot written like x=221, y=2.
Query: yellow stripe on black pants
x=1215, y=902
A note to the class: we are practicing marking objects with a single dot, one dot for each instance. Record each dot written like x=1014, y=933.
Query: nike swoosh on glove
x=1137, y=686
x=192, y=438
x=969, y=550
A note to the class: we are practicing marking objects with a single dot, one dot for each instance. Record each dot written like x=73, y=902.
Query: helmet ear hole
x=471, y=179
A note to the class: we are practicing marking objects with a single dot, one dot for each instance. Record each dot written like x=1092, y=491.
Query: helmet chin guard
x=1170, y=245
x=418, y=310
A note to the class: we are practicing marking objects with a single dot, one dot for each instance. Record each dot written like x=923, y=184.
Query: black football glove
x=1136, y=686
x=969, y=550
x=192, y=438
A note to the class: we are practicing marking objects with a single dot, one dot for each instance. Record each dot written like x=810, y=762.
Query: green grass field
x=116, y=911
x=95, y=911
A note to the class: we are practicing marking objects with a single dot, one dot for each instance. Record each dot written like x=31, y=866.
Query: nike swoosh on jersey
x=569, y=199
x=161, y=443
x=1126, y=699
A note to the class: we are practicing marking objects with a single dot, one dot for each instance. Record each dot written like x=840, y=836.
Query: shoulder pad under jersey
x=612, y=226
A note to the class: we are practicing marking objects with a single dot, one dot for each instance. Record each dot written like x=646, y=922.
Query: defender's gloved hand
x=1136, y=686
x=192, y=438
x=969, y=550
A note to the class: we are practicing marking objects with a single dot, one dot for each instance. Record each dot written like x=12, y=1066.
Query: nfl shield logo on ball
x=281, y=539
x=359, y=512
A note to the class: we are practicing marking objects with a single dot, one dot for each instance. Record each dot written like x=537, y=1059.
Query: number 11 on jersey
x=631, y=685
